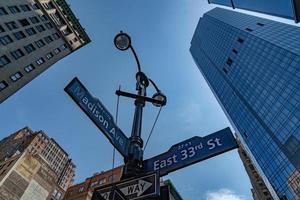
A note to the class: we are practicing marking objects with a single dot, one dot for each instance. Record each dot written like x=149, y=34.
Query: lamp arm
x=157, y=90
x=136, y=58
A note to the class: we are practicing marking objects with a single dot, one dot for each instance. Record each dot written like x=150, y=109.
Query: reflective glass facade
x=252, y=66
x=282, y=8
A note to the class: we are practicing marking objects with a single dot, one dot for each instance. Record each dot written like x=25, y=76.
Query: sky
x=161, y=32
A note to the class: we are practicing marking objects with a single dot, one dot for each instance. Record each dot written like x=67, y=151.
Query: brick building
x=84, y=190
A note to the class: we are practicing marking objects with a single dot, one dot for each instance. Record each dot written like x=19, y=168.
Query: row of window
x=17, y=9
x=229, y=61
x=250, y=30
x=12, y=25
x=6, y=39
x=18, y=75
x=4, y=60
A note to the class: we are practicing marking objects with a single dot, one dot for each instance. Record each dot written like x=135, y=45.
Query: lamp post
x=133, y=162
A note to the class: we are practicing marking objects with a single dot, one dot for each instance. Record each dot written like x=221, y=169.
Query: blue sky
x=161, y=32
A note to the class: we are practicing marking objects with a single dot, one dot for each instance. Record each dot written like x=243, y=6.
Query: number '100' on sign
x=191, y=151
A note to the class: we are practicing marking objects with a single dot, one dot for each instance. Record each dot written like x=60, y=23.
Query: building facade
x=289, y=9
x=34, y=34
x=46, y=151
x=259, y=190
x=168, y=191
x=252, y=66
x=25, y=176
x=84, y=190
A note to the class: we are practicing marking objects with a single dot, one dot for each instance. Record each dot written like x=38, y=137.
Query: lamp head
x=122, y=41
x=160, y=97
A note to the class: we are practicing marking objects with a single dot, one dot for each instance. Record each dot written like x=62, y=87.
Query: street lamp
x=134, y=160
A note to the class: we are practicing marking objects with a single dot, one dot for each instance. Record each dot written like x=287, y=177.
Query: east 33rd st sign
x=191, y=151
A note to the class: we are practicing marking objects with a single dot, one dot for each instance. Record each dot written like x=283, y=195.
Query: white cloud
x=223, y=194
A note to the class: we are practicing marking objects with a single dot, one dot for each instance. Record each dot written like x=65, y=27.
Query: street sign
x=96, y=111
x=145, y=186
x=191, y=151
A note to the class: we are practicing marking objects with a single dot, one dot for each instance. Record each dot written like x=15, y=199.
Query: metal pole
x=133, y=163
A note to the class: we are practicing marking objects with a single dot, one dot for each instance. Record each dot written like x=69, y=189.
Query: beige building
x=294, y=183
x=34, y=34
x=48, y=153
x=259, y=190
x=26, y=177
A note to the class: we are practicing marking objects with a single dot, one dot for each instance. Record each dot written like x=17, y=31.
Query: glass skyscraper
x=289, y=9
x=252, y=65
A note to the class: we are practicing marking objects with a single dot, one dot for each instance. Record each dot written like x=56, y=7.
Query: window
x=54, y=192
x=48, y=39
x=3, y=11
x=1, y=29
x=29, y=48
x=56, y=36
x=240, y=40
x=35, y=6
x=40, y=43
x=57, y=51
x=49, y=55
x=14, y=9
x=17, y=54
x=34, y=20
x=49, y=25
x=225, y=70
x=24, y=22
x=259, y=24
x=3, y=85
x=249, y=29
x=30, y=31
x=229, y=61
x=4, y=60
x=94, y=183
x=25, y=7
x=75, y=40
x=81, y=188
x=64, y=46
x=40, y=61
x=40, y=28
x=66, y=31
x=102, y=181
x=11, y=25
x=29, y=68
x=19, y=35
x=16, y=76
x=112, y=178
x=58, y=195
x=234, y=51
x=6, y=40
x=43, y=18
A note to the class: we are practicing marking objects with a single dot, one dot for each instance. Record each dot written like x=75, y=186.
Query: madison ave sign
x=191, y=151
x=96, y=111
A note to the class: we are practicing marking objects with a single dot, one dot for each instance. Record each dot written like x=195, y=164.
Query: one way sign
x=146, y=186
